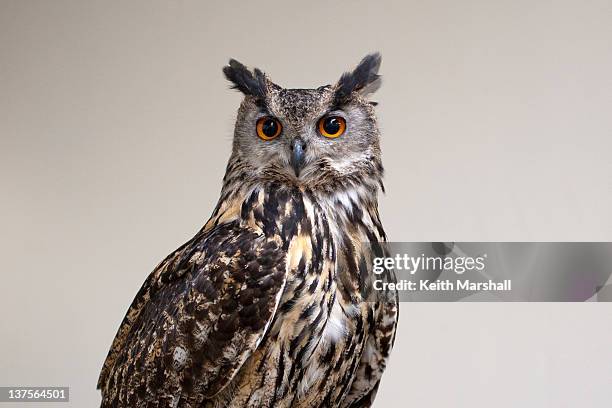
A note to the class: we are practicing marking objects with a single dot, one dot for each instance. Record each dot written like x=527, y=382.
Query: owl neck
x=342, y=199
x=363, y=183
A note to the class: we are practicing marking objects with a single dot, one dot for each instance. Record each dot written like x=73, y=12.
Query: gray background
x=115, y=127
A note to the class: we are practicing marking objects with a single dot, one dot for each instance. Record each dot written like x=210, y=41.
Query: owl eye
x=268, y=128
x=332, y=126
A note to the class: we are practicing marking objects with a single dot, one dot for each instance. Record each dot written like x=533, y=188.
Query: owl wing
x=374, y=357
x=376, y=352
x=196, y=319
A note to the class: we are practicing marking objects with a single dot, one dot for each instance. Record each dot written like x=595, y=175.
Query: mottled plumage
x=269, y=304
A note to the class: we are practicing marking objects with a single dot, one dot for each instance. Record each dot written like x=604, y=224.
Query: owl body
x=269, y=304
x=319, y=332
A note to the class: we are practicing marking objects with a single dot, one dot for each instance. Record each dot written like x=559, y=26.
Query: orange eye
x=332, y=126
x=268, y=128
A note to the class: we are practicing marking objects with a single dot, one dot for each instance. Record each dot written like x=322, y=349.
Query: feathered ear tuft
x=247, y=82
x=364, y=78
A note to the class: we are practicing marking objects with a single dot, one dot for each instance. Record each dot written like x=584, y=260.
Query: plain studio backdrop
x=116, y=125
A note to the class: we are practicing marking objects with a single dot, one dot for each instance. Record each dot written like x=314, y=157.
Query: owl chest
x=314, y=343
x=320, y=325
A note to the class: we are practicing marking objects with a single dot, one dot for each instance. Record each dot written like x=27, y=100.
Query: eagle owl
x=267, y=304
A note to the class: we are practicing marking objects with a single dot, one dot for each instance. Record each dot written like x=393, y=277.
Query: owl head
x=321, y=138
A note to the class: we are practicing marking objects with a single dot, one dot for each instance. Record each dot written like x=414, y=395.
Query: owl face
x=308, y=137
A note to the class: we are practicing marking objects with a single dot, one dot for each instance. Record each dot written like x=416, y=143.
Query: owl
x=270, y=303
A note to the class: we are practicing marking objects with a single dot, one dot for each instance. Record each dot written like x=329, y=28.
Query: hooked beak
x=298, y=146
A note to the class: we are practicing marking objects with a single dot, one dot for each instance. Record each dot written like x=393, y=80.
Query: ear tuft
x=364, y=78
x=247, y=82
